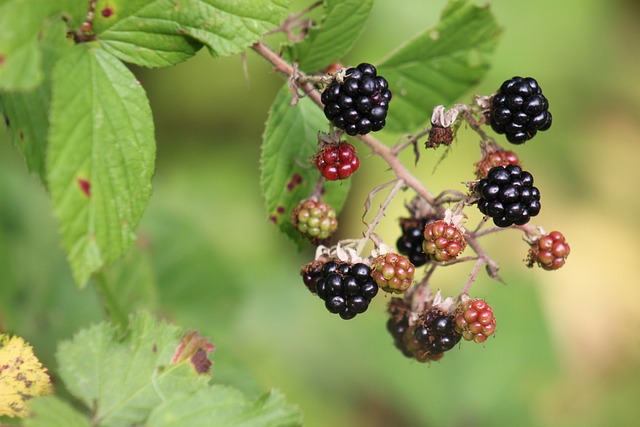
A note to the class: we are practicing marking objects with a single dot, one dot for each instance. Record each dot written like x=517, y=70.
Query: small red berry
x=337, y=161
x=493, y=159
x=442, y=241
x=474, y=319
x=549, y=251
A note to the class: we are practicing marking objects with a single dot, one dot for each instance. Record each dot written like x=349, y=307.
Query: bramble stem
x=388, y=154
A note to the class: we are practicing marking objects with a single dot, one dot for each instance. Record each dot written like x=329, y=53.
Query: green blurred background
x=567, y=346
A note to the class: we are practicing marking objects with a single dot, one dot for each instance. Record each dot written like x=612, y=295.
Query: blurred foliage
x=567, y=347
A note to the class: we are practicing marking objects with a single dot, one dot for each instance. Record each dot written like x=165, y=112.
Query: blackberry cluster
x=435, y=332
x=346, y=289
x=359, y=104
x=410, y=243
x=519, y=110
x=508, y=196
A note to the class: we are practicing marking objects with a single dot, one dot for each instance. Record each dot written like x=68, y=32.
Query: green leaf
x=343, y=23
x=27, y=113
x=100, y=157
x=220, y=406
x=158, y=33
x=121, y=381
x=439, y=65
x=20, y=57
x=287, y=176
x=50, y=411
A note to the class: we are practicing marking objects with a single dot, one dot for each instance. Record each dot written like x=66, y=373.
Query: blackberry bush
x=519, y=110
x=358, y=104
x=508, y=196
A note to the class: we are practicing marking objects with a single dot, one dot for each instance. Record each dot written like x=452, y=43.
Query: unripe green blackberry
x=315, y=220
x=392, y=272
x=442, y=241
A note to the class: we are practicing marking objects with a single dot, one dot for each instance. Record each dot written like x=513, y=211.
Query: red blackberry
x=359, y=104
x=549, y=251
x=337, y=161
x=442, y=241
x=315, y=220
x=410, y=243
x=392, y=272
x=519, y=110
x=508, y=196
x=346, y=289
x=493, y=159
x=474, y=320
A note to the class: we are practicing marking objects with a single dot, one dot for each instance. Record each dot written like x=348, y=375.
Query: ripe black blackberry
x=346, y=289
x=410, y=243
x=519, y=110
x=508, y=196
x=359, y=104
x=435, y=332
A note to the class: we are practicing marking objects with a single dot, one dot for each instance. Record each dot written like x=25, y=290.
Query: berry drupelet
x=519, y=110
x=359, y=104
x=508, y=196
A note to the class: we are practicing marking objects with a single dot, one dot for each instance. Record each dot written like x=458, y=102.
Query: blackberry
x=346, y=289
x=359, y=104
x=550, y=251
x=435, y=332
x=519, y=110
x=508, y=196
x=443, y=241
x=315, y=220
x=410, y=243
x=392, y=272
x=474, y=320
x=337, y=161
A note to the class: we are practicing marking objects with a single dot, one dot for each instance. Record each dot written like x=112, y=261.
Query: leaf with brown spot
x=21, y=377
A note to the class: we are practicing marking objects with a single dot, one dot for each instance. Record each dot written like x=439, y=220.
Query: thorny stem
x=389, y=155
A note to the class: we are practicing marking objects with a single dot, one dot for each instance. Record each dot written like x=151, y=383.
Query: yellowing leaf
x=21, y=376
